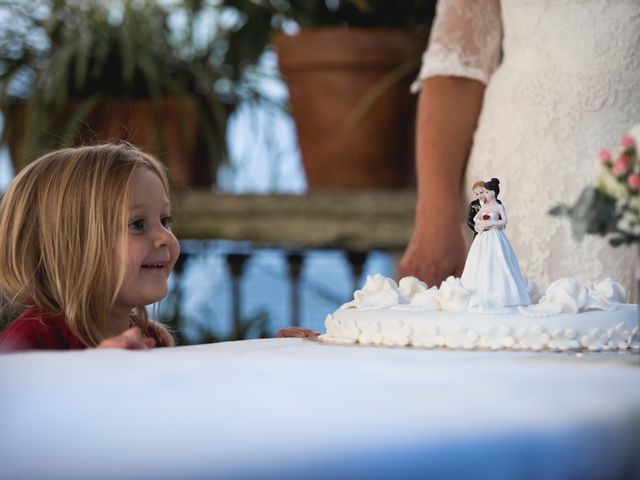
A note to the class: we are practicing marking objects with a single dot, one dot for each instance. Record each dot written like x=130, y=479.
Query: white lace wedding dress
x=562, y=81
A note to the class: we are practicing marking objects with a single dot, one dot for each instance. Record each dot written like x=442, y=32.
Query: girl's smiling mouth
x=154, y=266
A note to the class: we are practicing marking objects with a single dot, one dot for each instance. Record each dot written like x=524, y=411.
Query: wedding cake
x=567, y=316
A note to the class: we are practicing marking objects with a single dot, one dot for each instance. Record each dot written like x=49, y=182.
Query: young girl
x=85, y=244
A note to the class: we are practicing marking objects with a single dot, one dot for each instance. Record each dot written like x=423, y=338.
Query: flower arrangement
x=611, y=205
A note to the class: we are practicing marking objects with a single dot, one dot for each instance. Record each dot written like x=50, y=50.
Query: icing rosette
x=427, y=299
x=370, y=333
x=619, y=337
x=453, y=296
x=462, y=338
x=497, y=337
x=534, y=338
x=564, y=339
x=395, y=334
x=410, y=287
x=573, y=297
x=378, y=292
x=567, y=293
x=608, y=291
x=597, y=339
x=340, y=331
x=427, y=336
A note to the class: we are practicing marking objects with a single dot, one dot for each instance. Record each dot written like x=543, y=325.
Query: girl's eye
x=137, y=225
x=166, y=222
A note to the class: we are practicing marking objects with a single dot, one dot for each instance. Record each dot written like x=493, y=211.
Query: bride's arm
x=501, y=222
x=462, y=54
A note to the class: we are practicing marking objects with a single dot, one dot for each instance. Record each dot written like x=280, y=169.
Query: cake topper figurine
x=492, y=269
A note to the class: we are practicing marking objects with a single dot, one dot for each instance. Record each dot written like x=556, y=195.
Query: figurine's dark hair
x=493, y=185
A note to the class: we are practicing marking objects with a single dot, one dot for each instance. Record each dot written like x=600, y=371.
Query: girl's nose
x=163, y=237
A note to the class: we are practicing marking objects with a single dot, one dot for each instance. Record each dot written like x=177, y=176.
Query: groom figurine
x=474, y=206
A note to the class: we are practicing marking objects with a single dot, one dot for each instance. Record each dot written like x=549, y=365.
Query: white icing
x=428, y=299
x=573, y=297
x=461, y=337
x=409, y=287
x=541, y=311
x=563, y=339
x=489, y=308
x=342, y=330
x=453, y=296
x=619, y=337
x=569, y=316
x=370, y=333
x=532, y=338
x=378, y=292
x=427, y=336
x=497, y=337
x=596, y=340
x=395, y=334
x=608, y=291
x=413, y=308
x=566, y=292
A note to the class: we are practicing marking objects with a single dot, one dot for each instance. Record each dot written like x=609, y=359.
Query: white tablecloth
x=290, y=408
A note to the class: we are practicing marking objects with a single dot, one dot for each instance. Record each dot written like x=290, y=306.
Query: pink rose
x=634, y=181
x=627, y=141
x=605, y=156
x=621, y=166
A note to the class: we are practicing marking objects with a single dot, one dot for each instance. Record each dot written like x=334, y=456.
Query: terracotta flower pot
x=167, y=129
x=350, y=100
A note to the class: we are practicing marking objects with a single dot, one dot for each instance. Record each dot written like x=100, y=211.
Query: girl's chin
x=154, y=297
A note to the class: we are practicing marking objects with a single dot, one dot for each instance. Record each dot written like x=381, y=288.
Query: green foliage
x=595, y=213
x=353, y=13
x=259, y=19
x=53, y=52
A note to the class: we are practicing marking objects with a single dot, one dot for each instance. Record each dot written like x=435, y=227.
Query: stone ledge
x=358, y=221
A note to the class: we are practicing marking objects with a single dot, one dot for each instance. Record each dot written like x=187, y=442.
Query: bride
x=527, y=91
x=491, y=269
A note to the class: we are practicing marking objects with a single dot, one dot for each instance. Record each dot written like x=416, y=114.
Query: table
x=292, y=408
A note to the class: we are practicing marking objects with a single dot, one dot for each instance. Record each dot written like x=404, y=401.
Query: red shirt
x=36, y=329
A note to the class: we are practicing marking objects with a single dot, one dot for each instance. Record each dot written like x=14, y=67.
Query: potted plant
x=152, y=73
x=348, y=66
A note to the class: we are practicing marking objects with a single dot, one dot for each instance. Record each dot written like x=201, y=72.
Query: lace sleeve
x=465, y=41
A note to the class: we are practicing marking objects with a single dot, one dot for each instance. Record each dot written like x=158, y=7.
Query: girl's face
x=152, y=249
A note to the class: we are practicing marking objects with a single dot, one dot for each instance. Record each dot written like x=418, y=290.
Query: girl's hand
x=297, y=332
x=130, y=339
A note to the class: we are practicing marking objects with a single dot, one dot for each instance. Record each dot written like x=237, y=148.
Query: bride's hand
x=436, y=250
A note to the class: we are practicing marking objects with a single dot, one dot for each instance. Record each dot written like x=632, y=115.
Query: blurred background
x=286, y=127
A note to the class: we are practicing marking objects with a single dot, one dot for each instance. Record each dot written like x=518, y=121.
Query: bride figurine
x=492, y=269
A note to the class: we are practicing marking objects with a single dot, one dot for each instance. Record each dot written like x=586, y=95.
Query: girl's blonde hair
x=63, y=220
